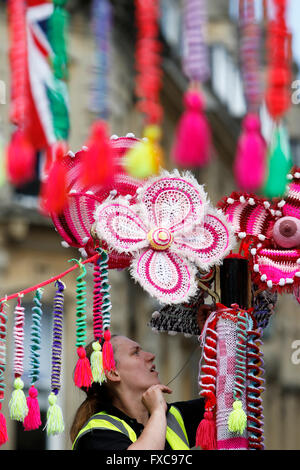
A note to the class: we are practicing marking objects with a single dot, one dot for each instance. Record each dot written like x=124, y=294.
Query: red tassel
x=3, y=429
x=206, y=432
x=83, y=376
x=21, y=159
x=250, y=161
x=108, y=353
x=33, y=419
x=97, y=160
x=54, y=191
x=193, y=136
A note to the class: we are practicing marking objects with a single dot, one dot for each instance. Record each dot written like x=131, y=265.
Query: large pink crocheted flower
x=170, y=232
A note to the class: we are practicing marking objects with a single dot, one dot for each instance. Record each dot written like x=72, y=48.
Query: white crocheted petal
x=165, y=276
x=120, y=227
x=173, y=202
x=206, y=244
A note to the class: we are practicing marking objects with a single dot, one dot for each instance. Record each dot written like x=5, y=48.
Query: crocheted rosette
x=170, y=232
x=272, y=229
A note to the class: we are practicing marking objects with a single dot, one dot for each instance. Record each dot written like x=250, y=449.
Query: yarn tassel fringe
x=83, y=374
x=33, y=419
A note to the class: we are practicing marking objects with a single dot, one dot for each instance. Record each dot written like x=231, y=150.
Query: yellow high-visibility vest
x=176, y=434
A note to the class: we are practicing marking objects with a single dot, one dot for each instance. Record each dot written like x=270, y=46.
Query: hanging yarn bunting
x=107, y=350
x=96, y=356
x=33, y=419
x=206, y=435
x=250, y=159
x=192, y=145
x=82, y=374
x=147, y=157
x=101, y=14
x=280, y=163
x=55, y=422
x=98, y=165
x=21, y=156
x=54, y=195
x=3, y=332
x=58, y=96
x=18, y=404
x=278, y=98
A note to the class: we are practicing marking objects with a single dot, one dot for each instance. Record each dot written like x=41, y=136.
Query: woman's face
x=134, y=365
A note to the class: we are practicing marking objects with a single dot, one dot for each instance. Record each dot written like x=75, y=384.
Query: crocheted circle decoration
x=273, y=228
x=74, y=224
x=170, y=232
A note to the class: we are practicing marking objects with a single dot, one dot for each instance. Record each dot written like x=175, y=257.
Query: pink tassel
x=83, y=376
x=193, y=136
x=107, y=353
x=33, y=419
x=250, y=161
x=206, y=432
x=21, y=159
x=3, y=429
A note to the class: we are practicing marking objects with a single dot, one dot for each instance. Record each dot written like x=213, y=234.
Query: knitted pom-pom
x=55, y=422
x=97, y=363
x=21, y=159
x=83, y=375
x=237, y=420
x=146, y=158
x=3, y=429
x=193, y=135
x=33, y=419
x=107, y=353
x=18, y=405
x=206, y=432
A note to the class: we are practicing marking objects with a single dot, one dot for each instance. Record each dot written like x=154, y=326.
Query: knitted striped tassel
x=107, y=350
x=192, y=143
x=251, y=154
x=33, y=419
x=206, y=432
x=3, y=329
x=18, y=404
x=82, y=374
x=96, y=356
x=55, y=422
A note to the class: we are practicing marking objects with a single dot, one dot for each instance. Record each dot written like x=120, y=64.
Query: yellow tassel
x=237, y=420
x=97, y=364
x=146, y=158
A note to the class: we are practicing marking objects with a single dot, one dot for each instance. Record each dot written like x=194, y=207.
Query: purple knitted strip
x=57, y=337
x=195, y=60
x=249, y=55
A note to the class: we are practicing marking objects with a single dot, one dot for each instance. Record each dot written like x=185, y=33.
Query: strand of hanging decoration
x=82, y=374
x=21, y=156
x=48, y=281
x=250, y=158
x=3, y=331
x=255, y=388
x=55, y=422
x=96, y=356
x=146, y=158
x=101, y=27
x=278, y=99
x=237, y=420
x=192, y=144
x=18, y=404
x=107, y=350
x=206, y=435
x=33, y=419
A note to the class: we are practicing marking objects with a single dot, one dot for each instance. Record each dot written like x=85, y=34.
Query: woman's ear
x=113, y=375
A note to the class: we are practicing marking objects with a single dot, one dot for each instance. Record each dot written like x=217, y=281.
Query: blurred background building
x=31, y=250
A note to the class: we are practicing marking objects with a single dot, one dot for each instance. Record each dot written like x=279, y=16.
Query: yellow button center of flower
x=160, y=238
